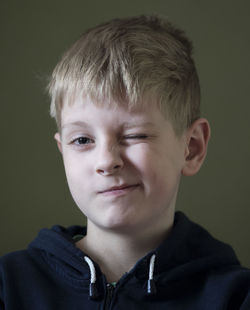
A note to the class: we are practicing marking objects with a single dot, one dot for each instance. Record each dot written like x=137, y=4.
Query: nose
x=109, y=160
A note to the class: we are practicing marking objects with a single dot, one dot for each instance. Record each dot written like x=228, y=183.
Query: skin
x=138, y=151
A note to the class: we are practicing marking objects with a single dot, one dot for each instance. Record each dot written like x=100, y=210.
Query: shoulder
x=14, y=258
x=206, y=266
x=13, y=269
x=233, y=277
x=232, y=282
x=15, y=264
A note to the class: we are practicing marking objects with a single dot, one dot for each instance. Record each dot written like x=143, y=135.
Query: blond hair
x=131, y=61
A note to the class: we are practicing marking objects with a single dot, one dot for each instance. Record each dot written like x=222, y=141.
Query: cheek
x=147, y=163
x=158, y=169
x=139, y=156
x=76, y=170
x=79, y=182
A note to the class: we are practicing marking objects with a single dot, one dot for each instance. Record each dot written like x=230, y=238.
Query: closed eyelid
x=136, y=136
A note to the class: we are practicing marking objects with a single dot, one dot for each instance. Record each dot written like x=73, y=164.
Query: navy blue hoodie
x=190, y=270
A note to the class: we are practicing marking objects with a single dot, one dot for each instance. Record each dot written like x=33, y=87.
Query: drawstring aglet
x=151, y=289
x=93, y=292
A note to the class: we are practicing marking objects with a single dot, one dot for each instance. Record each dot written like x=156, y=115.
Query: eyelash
x=140, y=136
x=78, y=140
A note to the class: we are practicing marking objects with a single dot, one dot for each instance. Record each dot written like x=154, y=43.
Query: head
x=126, y=101
x=131, y=61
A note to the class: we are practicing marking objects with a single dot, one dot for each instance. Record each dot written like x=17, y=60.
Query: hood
x=188, y=251
x=56, y=247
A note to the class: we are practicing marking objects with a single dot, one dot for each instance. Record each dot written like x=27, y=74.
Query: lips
x=118, y=188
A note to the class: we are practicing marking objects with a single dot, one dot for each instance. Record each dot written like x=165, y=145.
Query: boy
x=126, y=99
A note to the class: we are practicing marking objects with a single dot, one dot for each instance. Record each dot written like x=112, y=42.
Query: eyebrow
x=138, y=124
x=126, y=125
x=75, y=124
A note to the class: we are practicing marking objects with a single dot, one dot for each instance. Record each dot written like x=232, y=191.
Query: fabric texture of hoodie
x=190, y=270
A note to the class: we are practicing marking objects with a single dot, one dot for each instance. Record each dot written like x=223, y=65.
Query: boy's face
x=123, y=168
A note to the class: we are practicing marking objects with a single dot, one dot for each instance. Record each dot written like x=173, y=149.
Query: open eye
x=82, y=141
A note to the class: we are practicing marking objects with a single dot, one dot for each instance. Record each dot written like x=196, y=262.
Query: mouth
x=119, y=189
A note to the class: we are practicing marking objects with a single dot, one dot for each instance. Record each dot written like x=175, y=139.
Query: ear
x=58, y=141
x=197, y=138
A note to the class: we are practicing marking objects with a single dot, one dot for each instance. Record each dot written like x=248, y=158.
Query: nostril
x=109, y=171
x=108, y=162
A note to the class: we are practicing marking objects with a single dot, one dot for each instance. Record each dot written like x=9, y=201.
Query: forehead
x=86, y=112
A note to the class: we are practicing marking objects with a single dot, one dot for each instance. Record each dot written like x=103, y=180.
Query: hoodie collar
x=188, y=249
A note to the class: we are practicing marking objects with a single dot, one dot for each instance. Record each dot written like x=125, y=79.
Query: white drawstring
x=151, y=289
x=151, y=267
x=91, y=268
x=93, y=292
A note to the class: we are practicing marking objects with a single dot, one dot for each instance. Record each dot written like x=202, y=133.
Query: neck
x=117, y=253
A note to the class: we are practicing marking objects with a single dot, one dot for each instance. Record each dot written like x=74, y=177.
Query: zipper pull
x=109, y=295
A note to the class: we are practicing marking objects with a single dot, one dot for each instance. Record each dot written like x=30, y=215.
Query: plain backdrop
x=34, y=191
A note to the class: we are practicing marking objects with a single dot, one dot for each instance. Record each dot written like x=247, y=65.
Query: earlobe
x=197, y=141
x=58, y=141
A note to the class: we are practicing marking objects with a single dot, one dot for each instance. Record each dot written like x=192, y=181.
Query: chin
x=121, y=225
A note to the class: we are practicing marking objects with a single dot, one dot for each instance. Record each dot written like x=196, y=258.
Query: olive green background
x=34, y=34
